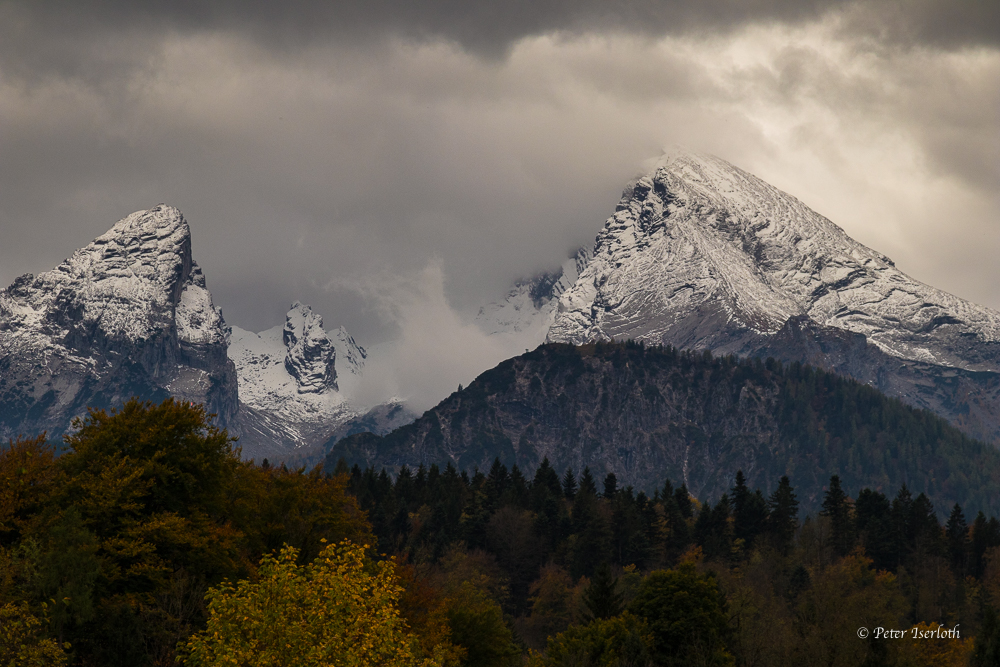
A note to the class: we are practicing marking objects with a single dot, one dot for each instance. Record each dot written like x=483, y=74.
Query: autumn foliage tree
x=112, y=546
x=341, y=609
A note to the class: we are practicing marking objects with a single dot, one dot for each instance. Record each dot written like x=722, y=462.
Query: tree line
x=150, y=542
x=554, y=537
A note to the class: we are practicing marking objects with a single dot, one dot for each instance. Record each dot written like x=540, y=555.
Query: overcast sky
x=397, y=163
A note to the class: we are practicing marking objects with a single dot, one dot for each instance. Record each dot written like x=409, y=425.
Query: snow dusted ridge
x=129, y=314
x=701, y=254
x=288, y=381
x=529, y=309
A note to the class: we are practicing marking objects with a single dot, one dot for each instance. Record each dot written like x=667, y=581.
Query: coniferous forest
x=648, y=413
x=148, y=541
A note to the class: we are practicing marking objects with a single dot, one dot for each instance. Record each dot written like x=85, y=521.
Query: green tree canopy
x=685, y=612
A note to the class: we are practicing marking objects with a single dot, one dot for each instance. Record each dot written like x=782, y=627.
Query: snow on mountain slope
x=288, y=373
x=529, y=309
x=129, y=314
x=702, y=254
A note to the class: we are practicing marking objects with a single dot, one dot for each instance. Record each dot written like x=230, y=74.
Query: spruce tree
x=783, y=520
x=873, y=515
x=610, y=485
x=683, y=499
x=569, y=484
x=902, y=525
x=837, y=507
x=593, y=536
x=957, y=534
x=926, y=528
x=749, y=511
x=985, y=534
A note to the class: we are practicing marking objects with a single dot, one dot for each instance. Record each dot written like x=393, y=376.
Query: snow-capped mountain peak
x=128, y=314
x=702, y=254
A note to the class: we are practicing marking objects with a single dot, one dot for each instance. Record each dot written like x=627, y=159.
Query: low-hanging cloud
x=435, y=349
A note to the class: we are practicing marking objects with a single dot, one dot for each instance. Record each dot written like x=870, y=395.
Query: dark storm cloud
x=42, y=35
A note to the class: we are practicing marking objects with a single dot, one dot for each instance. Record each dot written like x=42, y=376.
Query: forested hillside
x=149, y=542
x=648, y=414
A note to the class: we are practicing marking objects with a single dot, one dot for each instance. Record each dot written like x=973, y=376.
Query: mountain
x=702, y=255
x=649, y=414
x=291, y=382
x=129, y=314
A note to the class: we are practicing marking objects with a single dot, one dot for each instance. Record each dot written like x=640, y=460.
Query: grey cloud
x=83, y=37
x=316, y=156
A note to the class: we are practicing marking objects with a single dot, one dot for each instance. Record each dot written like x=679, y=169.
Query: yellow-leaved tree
x=341, y=609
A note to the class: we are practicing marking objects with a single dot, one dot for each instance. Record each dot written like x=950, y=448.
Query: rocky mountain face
x=702, y=255
x=129, y=314
x=288, y=383
x=648, y=414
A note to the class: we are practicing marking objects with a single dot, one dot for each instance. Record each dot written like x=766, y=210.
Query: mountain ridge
x=700, y=254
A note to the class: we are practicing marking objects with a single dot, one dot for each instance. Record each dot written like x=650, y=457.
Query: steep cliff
x=128, y=315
